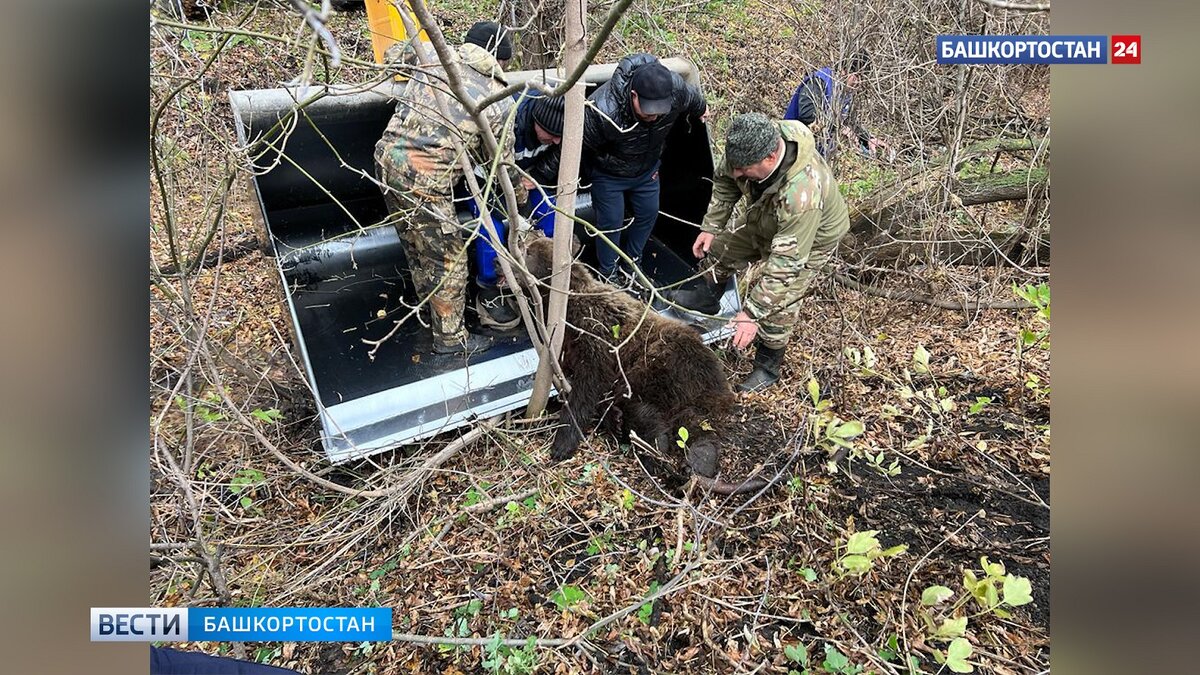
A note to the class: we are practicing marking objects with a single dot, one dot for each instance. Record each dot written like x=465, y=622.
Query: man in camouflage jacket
x=418, y=160
x=793, y=218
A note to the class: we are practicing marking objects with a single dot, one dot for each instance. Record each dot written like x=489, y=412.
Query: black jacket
x=619, y=143
x=540, y=162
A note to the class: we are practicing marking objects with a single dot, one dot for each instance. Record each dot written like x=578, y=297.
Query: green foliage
x=797, y=654
x=993, y=590
x=205, y=409
x=873, y=177
x=1039, y=297
x=683, y=437
x=627, y=499
x=647, y=609
x=567, y=597
x=269, y=416
x=475, y=495
x=920, y=359
x=830, y=432
x=980, y=403
x=1013, y=591
x=837, y=662
x=243, y=483
x=859, y=553
x=600, y=543
x=500, y=658
x=863, y=359
x=955, y=656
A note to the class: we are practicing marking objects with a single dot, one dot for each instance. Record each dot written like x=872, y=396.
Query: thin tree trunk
x=568, y=186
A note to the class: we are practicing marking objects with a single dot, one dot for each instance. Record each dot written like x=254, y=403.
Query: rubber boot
x=495, y=310
x=766, y=369
x=704, y=297
x=473, y=344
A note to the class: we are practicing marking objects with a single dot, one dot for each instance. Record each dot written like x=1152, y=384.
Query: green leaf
x=246, y=502
x=683, y=434
x=809, y=574
x=269, y=416
x=1017, y=591
x=567, y=596
x=980, y=403
x=856, y=564
x=920, y=359
x=935, y=594
x=644, y=612
x=834, y=660
x=990, y=596
x=893, y=550
x=956, y=656
x=814, y=390
x=952, y=628
x=995, y=570
x=797, y=653
x=616, y=331
x=849, y=429
x=861, y=542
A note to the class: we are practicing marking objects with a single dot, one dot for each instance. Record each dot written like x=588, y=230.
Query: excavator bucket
x=347, y=290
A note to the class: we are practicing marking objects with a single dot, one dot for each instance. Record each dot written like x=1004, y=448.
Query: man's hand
x=744, y=330
x=703, y=243
x=874, y=144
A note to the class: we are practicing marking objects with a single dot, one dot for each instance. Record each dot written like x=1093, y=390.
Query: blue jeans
x=485, y=255
x=608, y=199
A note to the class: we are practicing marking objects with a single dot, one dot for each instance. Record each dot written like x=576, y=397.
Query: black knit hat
x=548, y=113
x=751, y=137
x=492, y=37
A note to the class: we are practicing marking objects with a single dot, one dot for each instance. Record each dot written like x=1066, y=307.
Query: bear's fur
x=672, y=379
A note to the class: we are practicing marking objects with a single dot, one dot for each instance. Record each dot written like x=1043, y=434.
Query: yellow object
x=386, y=26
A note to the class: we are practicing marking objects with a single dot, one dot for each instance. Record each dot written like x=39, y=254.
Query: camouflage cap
x=751, y=137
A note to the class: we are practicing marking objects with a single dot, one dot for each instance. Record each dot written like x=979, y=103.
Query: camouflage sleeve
x=725, y=195
x=787, y=273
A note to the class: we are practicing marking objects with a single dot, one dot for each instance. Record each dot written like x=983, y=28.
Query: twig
x=1017, y=6
x=490, y=504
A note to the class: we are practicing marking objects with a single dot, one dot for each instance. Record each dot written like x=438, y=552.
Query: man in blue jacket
x=825, y=102
x=626, y=126
x=537, y=136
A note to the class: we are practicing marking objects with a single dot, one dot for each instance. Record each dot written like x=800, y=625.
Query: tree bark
x=564, y=226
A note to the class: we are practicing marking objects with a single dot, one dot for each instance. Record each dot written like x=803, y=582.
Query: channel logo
x=241, y=624
x=1038, y=49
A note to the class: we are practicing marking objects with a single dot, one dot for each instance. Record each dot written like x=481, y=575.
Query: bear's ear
x=539, y=257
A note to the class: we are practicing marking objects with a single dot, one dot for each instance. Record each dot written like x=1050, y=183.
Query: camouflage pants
x=733, y=251
x=436, y=250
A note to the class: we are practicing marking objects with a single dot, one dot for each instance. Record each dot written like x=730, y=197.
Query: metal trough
x=346, y=278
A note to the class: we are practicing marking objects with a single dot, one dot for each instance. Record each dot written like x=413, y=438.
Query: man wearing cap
x=824, y=101
x=537, y=135
x=793, y=218
x=625, y=128
x=417, y=161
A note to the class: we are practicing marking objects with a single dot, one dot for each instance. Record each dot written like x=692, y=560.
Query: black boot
x=495, y=310
x=704, y=297
x=766, y=369
x=473, y=344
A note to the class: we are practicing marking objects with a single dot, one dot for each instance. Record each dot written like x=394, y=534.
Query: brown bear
x=655, y=373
